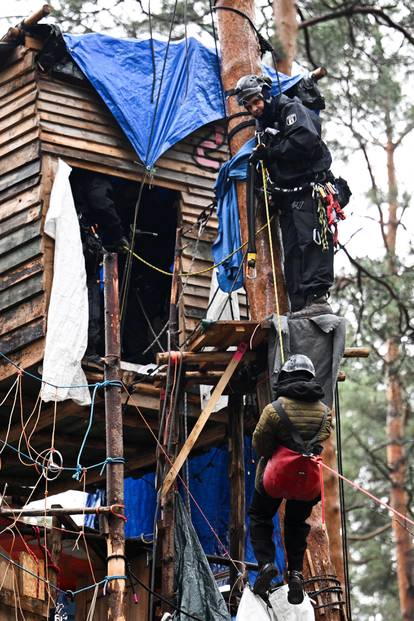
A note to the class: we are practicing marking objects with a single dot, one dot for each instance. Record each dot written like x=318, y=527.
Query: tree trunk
x=396, y=454
x=286, y=24
x=240, y=56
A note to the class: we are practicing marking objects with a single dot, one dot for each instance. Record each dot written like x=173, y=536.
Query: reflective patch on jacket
x=291, y=119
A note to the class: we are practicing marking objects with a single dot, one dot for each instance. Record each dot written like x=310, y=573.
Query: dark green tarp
x=197, y=591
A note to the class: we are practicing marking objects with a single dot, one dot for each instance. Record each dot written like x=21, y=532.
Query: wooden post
x=237, y=530
x=240, y=56
x=170, y=442
x=114, y=440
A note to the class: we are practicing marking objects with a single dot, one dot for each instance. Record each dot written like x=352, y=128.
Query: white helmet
x=298, y=362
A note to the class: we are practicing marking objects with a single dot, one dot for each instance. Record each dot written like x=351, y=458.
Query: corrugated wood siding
x=42, y=119
x=22, y=301
x=76, y=125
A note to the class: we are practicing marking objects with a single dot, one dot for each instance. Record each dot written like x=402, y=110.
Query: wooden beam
x=204, y=416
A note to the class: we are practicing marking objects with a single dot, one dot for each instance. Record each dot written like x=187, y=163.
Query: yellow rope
x=279, y=323
x=186, y=274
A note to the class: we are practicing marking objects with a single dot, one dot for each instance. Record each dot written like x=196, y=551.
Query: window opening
x=105, y=206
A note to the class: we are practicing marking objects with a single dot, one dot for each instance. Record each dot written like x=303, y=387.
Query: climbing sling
x=293, y=474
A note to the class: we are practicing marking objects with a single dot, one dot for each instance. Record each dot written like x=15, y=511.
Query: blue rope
x=79, y=468
x=39, y=379
x=111, y=460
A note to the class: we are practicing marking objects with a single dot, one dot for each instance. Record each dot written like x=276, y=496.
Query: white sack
x=67, y=323
x=290, y=612
x=252, y=607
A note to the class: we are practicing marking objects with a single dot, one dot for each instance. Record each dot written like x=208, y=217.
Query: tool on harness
x=294, y=474
x=329, y=213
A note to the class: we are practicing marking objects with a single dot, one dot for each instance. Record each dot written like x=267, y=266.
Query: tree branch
x=356, y=9
x=371, y=535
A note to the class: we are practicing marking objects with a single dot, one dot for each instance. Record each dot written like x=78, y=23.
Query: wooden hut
x=45, y=117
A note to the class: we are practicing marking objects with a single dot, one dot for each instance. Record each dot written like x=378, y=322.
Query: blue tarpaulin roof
x=155, y=114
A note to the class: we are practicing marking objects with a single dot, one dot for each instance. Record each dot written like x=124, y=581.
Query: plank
x=12, y=86
x=18, y=93
x=24, y=358
x=91, y=135
x=72, y=112
x=63, y=101
x=17, y=117
x=67, y=89
x=22, y=290
x=19, y=237
x=23, y=134
x=23, y=200
x=87, y=146
x=78, y=121
x=202, y=420
x=25, y=63
x=212, y=335
x=17, y=104
x=21, y=219
x=20, y=255
x=25, y=312
x=23, y=336
x=20, y=273
x=16, y=189
x=16, y=164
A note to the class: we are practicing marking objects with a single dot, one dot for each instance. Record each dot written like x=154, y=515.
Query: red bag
x=291, y=475
x=294, y=475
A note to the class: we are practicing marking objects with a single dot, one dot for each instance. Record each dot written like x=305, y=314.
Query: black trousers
x=262, y=511
x=308, y=269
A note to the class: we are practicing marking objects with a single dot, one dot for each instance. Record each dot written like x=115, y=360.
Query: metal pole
x=114, y=440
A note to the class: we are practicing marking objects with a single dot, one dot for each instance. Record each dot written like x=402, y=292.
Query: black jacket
x=297, y=152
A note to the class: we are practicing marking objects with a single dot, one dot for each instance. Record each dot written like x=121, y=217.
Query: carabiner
x=317, y=237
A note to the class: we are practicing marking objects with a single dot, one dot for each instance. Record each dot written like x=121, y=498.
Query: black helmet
x=298, y=362
x=250, y=85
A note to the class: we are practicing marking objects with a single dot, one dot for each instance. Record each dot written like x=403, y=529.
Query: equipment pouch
x=344, y=192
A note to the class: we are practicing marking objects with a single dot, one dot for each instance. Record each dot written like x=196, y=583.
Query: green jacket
x=270, y=431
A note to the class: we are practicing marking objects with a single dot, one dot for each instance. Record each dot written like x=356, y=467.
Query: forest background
x=368, y=49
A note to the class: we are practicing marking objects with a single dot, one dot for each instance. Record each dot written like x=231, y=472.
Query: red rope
x=371, y=496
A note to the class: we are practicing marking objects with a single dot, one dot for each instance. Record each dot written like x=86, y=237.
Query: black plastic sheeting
x=197, y=591
x=321, y=337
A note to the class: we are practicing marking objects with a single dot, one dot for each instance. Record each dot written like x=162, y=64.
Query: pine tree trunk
x=284, y=12
x=396, y=454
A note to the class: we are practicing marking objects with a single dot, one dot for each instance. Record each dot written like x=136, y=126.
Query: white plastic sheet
x=231, y=310
x=254, y=608
x=67, y=324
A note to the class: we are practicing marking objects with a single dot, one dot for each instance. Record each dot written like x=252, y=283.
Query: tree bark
x=396, y=454
x=240, y=56
x=284, y=12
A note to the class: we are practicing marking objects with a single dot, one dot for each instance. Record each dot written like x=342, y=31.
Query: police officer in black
x=296, y=156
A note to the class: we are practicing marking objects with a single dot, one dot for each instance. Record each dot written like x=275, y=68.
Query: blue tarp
x=186, y=94
x=210, y=486
x=229, y=276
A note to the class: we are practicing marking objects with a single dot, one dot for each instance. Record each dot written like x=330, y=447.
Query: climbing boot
x=295, y=584
x=264, y=578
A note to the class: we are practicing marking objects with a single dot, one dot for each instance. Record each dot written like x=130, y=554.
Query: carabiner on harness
x=317, y=237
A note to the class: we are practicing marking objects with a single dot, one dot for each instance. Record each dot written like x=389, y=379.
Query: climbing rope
x=279, y=323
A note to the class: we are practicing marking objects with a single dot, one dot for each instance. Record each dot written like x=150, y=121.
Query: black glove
x=259, y=153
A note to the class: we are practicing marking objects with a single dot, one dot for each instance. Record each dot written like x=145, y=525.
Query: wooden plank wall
x=43, y=119
x=76, y=125
x=22, y=302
